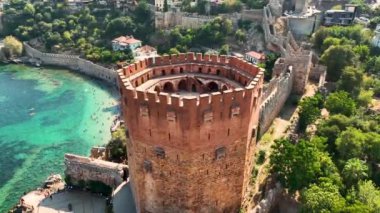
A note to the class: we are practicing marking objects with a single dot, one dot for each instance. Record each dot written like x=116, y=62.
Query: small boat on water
x=31, y=111
x=16, y=61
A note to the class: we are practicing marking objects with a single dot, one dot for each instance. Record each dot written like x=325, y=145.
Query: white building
x=77, y=4
x=159, y=4
x=145, y=52
x=125, y=42
x=255, y=57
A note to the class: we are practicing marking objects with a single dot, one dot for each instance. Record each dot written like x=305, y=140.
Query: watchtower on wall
x=192, y=121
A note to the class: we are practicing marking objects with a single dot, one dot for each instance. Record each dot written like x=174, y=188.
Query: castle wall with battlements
x=275, y=95
x=73, y=62
x=190, y=153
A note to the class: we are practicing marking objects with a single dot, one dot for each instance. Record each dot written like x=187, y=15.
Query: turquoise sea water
x=45, y=113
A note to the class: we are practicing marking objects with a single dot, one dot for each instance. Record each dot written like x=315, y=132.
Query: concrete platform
x=81, y=202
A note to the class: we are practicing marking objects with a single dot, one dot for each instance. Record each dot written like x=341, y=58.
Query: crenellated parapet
x=164, y=117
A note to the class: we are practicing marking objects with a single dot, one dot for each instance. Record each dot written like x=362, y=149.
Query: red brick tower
x=192, y=123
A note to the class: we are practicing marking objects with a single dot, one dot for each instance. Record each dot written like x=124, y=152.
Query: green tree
x=173, y=51
x=13, y=46
x=365, y=97
x=271, y=59
x=362, y=51
x=330, y=41
x=340, y=103
x=362, y=5
x=373, y=146
x=52, y=39
x=240, y=36
x=255, y=4
x=337, y=7
x=331, y=129
x=351, y=144
x=329, y=171
x=309, y=110
x=214, y=32
x=117, y=149
x=120, y=26
x=336, y=58
x=106, y=56
x=224, y=50
x=59, y=25
x=118, y=146
x=351, y=80
x=295, y=165
x=45, y=27
x=142, y=12
x=354, y=170
x=373, y=65
x=29, y=9
x=322, y=198
x=369, y=195
x=86, y=19
x=353, y=35
x=67, y=36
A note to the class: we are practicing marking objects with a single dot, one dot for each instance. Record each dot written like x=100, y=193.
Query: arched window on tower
x=182, y=85
x=168, y=87
x=213, y=87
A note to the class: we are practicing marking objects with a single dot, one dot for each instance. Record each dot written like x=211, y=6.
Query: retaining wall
x=83, y=168
x=73, y=62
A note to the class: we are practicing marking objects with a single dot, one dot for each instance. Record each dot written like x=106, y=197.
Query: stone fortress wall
x=292, y=71
x=277, y=41
x=190, y=153
x=73, y=62
x=171, y=19
x=275, y=94
x=83, y=168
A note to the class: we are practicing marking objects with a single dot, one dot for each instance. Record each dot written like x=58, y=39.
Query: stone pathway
x=123, y=200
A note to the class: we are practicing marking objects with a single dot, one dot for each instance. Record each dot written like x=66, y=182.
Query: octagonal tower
x=192, y=122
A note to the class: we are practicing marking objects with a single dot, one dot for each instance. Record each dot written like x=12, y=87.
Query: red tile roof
x=126, y=40
x=146, y=49
x=253, y=54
